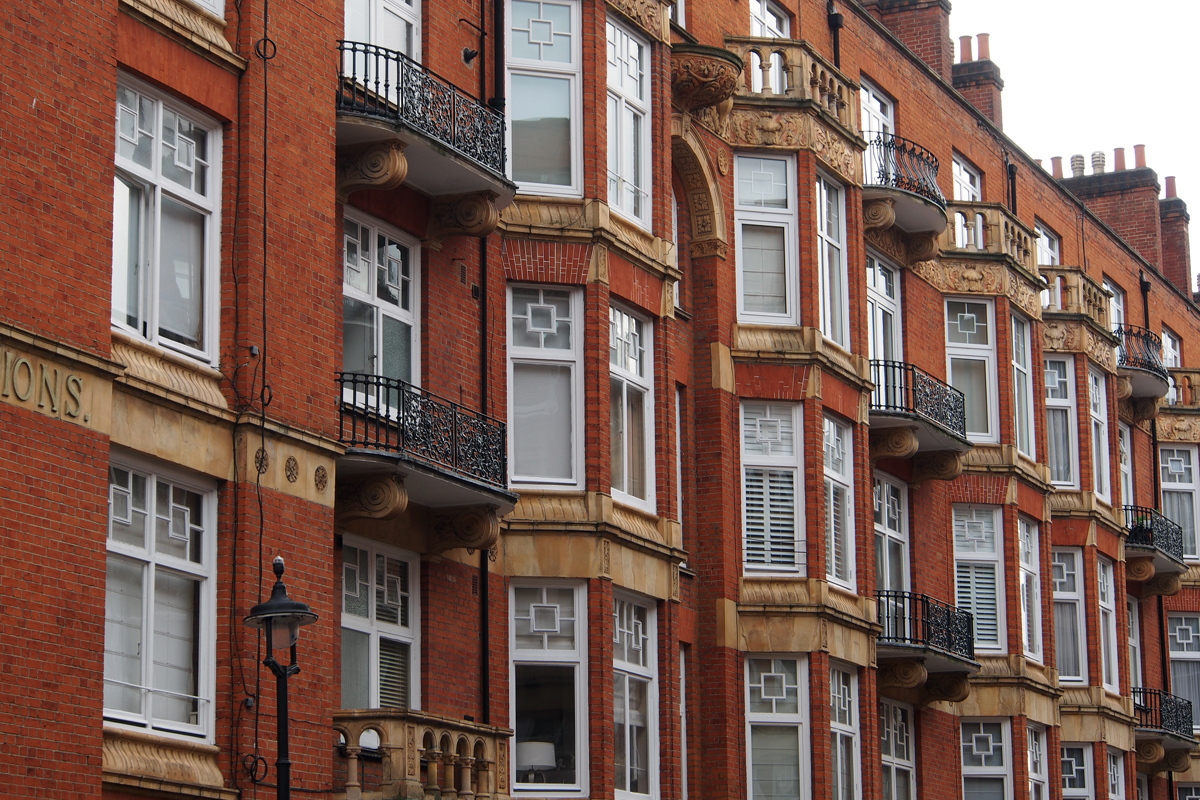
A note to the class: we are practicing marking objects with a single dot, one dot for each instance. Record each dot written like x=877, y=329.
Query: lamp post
x=280, y=619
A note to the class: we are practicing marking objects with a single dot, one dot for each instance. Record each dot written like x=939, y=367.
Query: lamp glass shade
x=535, y=755
x=282, y=633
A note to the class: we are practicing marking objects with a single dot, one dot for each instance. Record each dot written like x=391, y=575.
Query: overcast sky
x=1085, y=76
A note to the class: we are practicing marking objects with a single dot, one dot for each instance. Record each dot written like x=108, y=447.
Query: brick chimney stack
x=979, y=79
x=923, y=26
x=1176, y=246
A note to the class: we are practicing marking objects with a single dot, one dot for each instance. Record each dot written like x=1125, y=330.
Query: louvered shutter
x=393, y=673
x=769, y=504
x=835, y=530
x=977, y=593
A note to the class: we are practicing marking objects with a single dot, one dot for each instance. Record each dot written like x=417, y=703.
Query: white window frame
x=1029, y=553
x=984, y=353
x=1098, y=411
x=627, y=625
x=1039, y=771
x=977, y=729
x=1174, y=465
x=1106, y=597
x=679, y=400
x=968, y=183
x=843, y=730
x=838, y=452
x=576, y=658
x=1133, y=608
x=1049, y=246
x=1077, y=754
x=630, y=166
x=683, y=722
x=151, y=561
x=1125, y=463
x=966, y=517
x=763, y=216
x=1116, y=774
x=891, y=526
x=834, y=278
x=1068, y=562
x=155, y=187
x=407, y=10
x=1062, y=406
x=798, y=720
x=878, y=115
x=570, y=71
x=1189, y=791
x=406, y=634
x=885, y=323
x=896, y=732
x=1023, y=408
x=1172, y=349
x=570, y=358
x=1180, y=651
x=1116, y=304
x=630, y=381
x=356, y=262
x=1143, y=787
x=679, y=17
x=769, y=423
x=768, y=20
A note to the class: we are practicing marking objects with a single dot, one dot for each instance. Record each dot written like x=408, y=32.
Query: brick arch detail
x=701, y=190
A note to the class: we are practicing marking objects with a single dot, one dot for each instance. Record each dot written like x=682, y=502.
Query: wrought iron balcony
x=896, y=163
x=1150, y=530
x=1139, y=355
x=377, y=413
x=905, y=393
x=384, y=753
x=383, y=85
x=1161, y=711
x=912, y=620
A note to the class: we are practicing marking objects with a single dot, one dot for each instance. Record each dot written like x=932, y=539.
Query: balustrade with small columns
x=789, y=69
x=989, y=228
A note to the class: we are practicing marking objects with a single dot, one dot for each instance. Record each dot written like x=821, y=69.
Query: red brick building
x=650, y=400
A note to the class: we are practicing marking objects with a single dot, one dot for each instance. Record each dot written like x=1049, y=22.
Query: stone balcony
x=926, y=646
x=1140, y=361
x=990, y=230
x=393, y=753
x=1163, y=731
x=915, y=414
x=900, y=185
x=791, y=70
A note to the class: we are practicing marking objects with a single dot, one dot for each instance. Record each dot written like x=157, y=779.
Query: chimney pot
x=1118, y=159
x=985, y=51
x=1170, y=186
x=1038, y=161
x=1098, y=162
x=964, y=49
x=1077, y=166
x=1139, y=155
x=1056, y=166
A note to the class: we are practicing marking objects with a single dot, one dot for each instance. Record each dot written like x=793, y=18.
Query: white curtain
x=775, y=767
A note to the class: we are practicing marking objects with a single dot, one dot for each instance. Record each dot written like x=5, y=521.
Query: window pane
x=1185, y=682
x=775, y=767
x=636, y=439
x=1179, y=508
x=762, y=182
x=358, y=337
x=969, y=376
x=540, y=109
x=356, y=665
x=544, y=714
x=176, y=634
x=1069, y=643
x=397, y=349
x=967, y=323
x=181, y=274
x=1058, y=434
x=123, y=611
x=764, y=279
x=983, y=788
x=128, y=203
x=542, y=421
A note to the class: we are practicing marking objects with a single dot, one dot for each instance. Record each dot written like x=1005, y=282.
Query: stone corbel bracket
x=1139, y=569
x=473, y=214
x=1173, y=761
x=475, y=528
x=909, y=673
x=946, y=687
x=906, y=249
x=375, y=166
x=1166, y=585
x=893, y=443
x=944, y=465
x=380, y=498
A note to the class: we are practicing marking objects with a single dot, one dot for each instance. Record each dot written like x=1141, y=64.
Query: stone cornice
x=195, y=28
x=782, y=344
x=995, y=276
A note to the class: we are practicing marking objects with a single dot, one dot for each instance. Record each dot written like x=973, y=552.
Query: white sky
x=1086, y=76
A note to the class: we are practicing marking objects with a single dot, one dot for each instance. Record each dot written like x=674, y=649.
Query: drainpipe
x=836, y=23
x=1012, y=188
x=500, y=34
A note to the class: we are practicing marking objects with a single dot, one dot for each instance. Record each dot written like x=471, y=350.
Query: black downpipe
x=1012, y=188
x=485, y=672
x=836, y=23
x=499, y=35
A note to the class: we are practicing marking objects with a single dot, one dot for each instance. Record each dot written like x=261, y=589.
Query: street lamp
x=280, y=619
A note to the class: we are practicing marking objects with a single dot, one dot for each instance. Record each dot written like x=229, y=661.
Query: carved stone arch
x=701, y=190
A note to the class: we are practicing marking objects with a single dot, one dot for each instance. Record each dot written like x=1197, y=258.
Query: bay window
x=1177, y=468
x=1076, y=771
x=635, y=699
x=166, y=222
x=631, y=407
x=831, y=258
x=839, y=503
x=1039, y=783
x=159, y=614
x=545, y=420
x=766, y=243
x=629, y=162
x=1022, y=358
x=986, y=767
x=1106, y=592
x=897, y=750
x=1061, y=434
x=1069, y=631
x=1183, y=639
x=843, y=723
x=777, y=727
x=978, y=562
x=1031, y=589
x=1172, y=346
x=1116, y=775
x=1098, y=408
x=772, y=536
x=971, y=364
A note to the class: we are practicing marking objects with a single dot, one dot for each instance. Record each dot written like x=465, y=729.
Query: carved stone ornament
x=835, y=151
x=1139, y=569
x=922, y=246
x=702, y=76
x=701, y=192
x=765, y=128
x=709, y=247
x=893, y=443
x=646, y=13
x=374, y=498
x=1146, y=408
x=473, y=214
x=890, y=241
x=139, y=755
x=971, y=277
x=1150, y=751
x=943, y=465
x=908, y=673
x=879, y=213
x=946, y=687
x=375, y=166
x=1175, y=428
x=1061, y=335
x=475, y=528
x=1166, y=585
x=1178, y=761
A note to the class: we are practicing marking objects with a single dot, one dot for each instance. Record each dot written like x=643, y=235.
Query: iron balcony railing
x=917, y=620
x=905, y=389
x=1151, y=530
x=1162, y=711
x=897, y=163
x=1140, y=349
x=381, y=83
x=377, y=413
